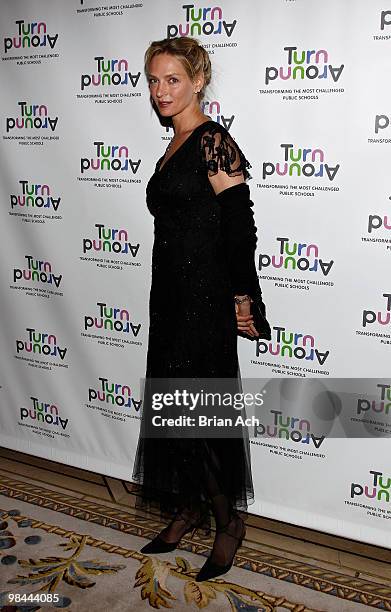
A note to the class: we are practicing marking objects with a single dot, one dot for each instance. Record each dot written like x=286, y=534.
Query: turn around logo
x=368, y=409
x=300, y=162
x=294, y=429
x=376, y=323
x=299, y=65
x=291, y=345
x=383, y=404
x=30, y=35
x=44, y=412
x=382, y=317
x=378, y=227
x=37, y=271
x=110, y=74
x=34, y=196
x=311, y=68
x=213, y=109
x=38, y=277
x=295, y=256
x=113, y=393
x=110, y=240
x=112, y=319
x=202, y=21
x=379, y=487
x=32, y=117
x=109, y=158
x=41, y=343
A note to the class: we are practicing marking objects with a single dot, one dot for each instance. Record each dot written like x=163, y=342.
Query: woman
x=203, y=293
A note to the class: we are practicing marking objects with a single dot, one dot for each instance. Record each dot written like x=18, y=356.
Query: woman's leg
x=189, y=507
x=230, y=528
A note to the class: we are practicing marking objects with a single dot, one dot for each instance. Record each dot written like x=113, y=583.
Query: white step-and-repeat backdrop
x=303, y=87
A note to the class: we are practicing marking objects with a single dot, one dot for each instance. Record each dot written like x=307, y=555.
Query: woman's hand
x=244, y=318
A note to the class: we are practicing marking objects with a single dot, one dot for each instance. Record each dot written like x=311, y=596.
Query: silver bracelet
x=245, y=298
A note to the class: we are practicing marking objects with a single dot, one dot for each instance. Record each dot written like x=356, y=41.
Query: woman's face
x=171, y=88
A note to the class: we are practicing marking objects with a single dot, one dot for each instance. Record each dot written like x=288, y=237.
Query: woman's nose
x=161, y=90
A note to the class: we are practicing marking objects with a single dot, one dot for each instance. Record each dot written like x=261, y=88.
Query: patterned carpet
x=85, y=554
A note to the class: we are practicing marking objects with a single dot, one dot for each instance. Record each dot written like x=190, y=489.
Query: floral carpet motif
x=60, y=551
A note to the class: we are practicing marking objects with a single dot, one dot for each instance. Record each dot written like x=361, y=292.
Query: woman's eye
x=151, y=81
x=173, y=80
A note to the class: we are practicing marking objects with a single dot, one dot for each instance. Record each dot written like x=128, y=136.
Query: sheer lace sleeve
x=220, y=152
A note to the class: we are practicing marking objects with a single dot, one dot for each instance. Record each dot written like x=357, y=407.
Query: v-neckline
x=159, y=165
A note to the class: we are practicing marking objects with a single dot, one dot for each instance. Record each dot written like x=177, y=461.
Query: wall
x=302, y=86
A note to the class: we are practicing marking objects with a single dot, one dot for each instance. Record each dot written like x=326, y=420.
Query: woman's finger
x=243, y=325
x=246, y=329
x=254, y=330
x=244, y=317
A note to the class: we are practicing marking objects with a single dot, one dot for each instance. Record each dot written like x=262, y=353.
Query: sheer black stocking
x=229, y=525
x=194, y=513
x=181, y=523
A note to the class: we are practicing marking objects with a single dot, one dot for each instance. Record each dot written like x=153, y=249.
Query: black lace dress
x=192, y=329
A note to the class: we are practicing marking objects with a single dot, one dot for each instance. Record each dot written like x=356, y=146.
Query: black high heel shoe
x=158, y=545
x=210, y=569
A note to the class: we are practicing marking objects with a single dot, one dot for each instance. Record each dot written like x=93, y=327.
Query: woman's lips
x=164, y=104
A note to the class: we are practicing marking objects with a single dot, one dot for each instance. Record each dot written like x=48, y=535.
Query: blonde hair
x=189, y=52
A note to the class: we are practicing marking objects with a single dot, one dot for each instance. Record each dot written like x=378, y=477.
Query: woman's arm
x=244, y=318
x=227, y=170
